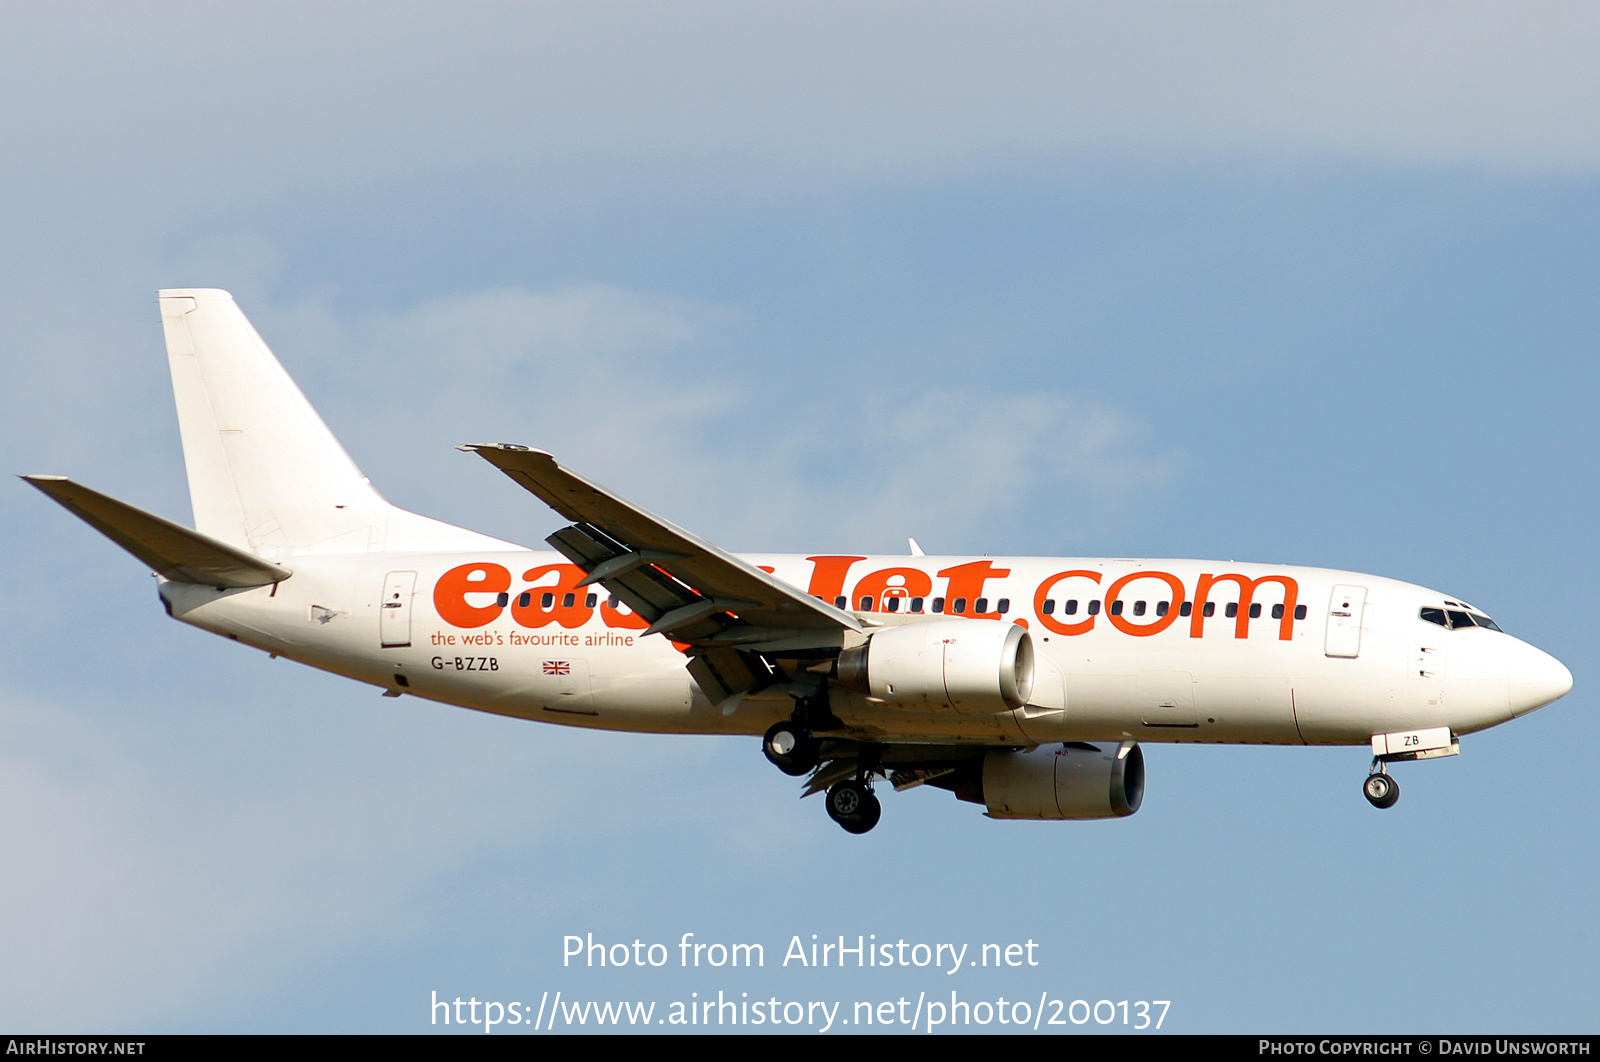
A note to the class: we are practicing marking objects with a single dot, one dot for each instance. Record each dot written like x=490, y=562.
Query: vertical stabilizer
x=265, y=473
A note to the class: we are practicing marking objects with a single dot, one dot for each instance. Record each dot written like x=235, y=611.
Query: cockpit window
x=1456, y=620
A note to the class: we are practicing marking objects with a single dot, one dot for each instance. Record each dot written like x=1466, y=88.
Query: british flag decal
x=557, y=667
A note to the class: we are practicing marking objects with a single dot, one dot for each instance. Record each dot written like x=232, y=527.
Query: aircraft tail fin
x=265, y=473
x=174, y=551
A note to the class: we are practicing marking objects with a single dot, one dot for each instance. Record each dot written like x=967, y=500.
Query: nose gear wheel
x=1380, y=790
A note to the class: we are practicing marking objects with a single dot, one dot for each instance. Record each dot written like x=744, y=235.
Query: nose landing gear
x=1380, y=790
x=1429, y=743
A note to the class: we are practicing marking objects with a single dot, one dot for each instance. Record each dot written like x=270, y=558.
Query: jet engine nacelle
x=968, y=665
x=1074, y=781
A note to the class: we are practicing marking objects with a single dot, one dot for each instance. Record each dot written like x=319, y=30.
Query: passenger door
x=394, y=612
x=1345, y=609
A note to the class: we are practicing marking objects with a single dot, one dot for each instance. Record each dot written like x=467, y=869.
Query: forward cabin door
x=1345, y=609
x=394, y=615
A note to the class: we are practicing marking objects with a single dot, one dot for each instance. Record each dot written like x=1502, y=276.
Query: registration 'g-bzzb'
x=1022, y=683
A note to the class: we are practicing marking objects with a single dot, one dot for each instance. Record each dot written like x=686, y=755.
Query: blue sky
x=1308, y=283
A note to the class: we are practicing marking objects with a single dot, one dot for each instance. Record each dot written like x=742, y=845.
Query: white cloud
x=958, y=468
x=273, y=100
x=147, y=880
x=627, y=388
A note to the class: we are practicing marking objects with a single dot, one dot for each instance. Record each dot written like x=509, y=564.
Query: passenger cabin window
x=1211, y=608
x=938, y=604
x=590, y=600
x=1049, y=607
x=1255, y=611
x=1231, y=611
x=524, y=599
x=1116, y=608
x=500, y=599
x=1094, y=608
x=866, y=604
x=916, y=604
x=567, y=600
x=960, y=606
x=981, y=605
x=1003, y=606
x=1138, y=608
x=547, y=600
x=838, y=602
x=1186, y=608
x=1072, y=607
x=1163, y=607
x=891, y=604
x=1299, y=612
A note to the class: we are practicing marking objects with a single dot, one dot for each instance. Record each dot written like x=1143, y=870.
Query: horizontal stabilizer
x=170, y=549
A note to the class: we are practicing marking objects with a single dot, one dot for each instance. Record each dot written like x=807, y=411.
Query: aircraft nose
x=1535, y=678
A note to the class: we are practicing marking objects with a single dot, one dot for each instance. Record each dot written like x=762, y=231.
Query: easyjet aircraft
x=1023, y=683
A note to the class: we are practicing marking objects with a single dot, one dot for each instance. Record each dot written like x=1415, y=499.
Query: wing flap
x=658, y=568
x=646, y=589
x=170, y=549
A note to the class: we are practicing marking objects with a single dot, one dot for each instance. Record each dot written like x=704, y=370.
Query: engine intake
x=1075, y=781
x=968, y=665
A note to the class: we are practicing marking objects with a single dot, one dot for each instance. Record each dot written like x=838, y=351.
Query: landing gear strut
x=1380, y=790
x=1428, y=743
x=790, y=745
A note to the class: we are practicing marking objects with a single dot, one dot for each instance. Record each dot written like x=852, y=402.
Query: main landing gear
x=853, y=805
x=791, y=745
x=794, y=751
x=791, y=748
x=851, y=802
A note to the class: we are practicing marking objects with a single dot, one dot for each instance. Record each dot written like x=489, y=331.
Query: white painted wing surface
x=728, y=611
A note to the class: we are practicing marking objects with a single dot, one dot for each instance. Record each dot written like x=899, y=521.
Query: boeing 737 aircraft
x=1024, y=684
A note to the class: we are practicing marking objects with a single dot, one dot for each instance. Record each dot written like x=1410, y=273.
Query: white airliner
x=1020, y=683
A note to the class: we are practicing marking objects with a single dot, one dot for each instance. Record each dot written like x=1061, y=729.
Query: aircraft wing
x=726, y=610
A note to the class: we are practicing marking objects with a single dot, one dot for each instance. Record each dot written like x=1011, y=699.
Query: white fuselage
x=1330, y=657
